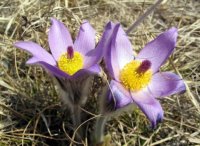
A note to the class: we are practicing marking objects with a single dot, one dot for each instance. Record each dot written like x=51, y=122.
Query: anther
x=136, y=75
x=70, y=52
x=144, y=66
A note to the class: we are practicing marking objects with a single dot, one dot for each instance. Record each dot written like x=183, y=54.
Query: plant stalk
x=99, y=129
x=76, y=119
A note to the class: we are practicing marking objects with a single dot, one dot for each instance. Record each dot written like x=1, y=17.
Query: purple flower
x=68, y=59
x=137, y=79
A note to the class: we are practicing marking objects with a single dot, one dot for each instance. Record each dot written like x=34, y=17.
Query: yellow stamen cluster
x=70, y=65
x=132, y=79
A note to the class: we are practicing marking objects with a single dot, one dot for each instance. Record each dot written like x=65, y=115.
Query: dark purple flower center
x=145, y=65
x=70, y=52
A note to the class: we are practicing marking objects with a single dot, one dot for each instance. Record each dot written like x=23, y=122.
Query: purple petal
x=39, y=54
x=59, y=38
x=32, y=60
x=105, y=41
x=143, y=96
x=122, y=48
x=165, y=84
x=59, y=73
x=158, y=50
x=54, y=70
x=85, y=44
x=85, y=40
x=95, y=69
x=104, y=44
x=94, y=56
x=119, y=95
x=152, y=109
x=121, y=51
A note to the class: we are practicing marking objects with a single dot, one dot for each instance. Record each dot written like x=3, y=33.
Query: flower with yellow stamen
x=68, y=59
x=134, y=77
x=70, y=62
x=137, y=79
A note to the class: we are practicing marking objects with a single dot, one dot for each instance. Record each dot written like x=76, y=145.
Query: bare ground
x=30, y=110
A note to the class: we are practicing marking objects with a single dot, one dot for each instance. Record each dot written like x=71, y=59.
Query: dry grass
x=30, y=110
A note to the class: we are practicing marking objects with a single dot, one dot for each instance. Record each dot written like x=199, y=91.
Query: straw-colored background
x=29, y=102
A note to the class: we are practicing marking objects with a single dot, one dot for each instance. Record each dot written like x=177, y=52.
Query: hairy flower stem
x=76, y=119
x=74, y=93
x=98, y=135
x=99, y=130
x=67, y=95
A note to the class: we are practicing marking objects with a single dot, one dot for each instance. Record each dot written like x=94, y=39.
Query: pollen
x=70, y=65
x=132, y=78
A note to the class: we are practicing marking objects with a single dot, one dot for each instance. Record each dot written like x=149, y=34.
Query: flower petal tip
x=53, y=20
x=170, y=83
x=173, y=32
x=32, y=60
x=109, y=25
x=159, y=119
x=16, y=44
x=86, y=26
x=85, y=21
x=182, y=88
x=59, y=38
x=19, y=44
x=173, y=29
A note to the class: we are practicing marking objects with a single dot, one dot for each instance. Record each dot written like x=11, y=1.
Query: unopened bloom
x=68, y=59
x=137, y=79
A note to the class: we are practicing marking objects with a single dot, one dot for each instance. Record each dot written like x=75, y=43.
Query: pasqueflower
x=137, y=79
x=68, y=59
